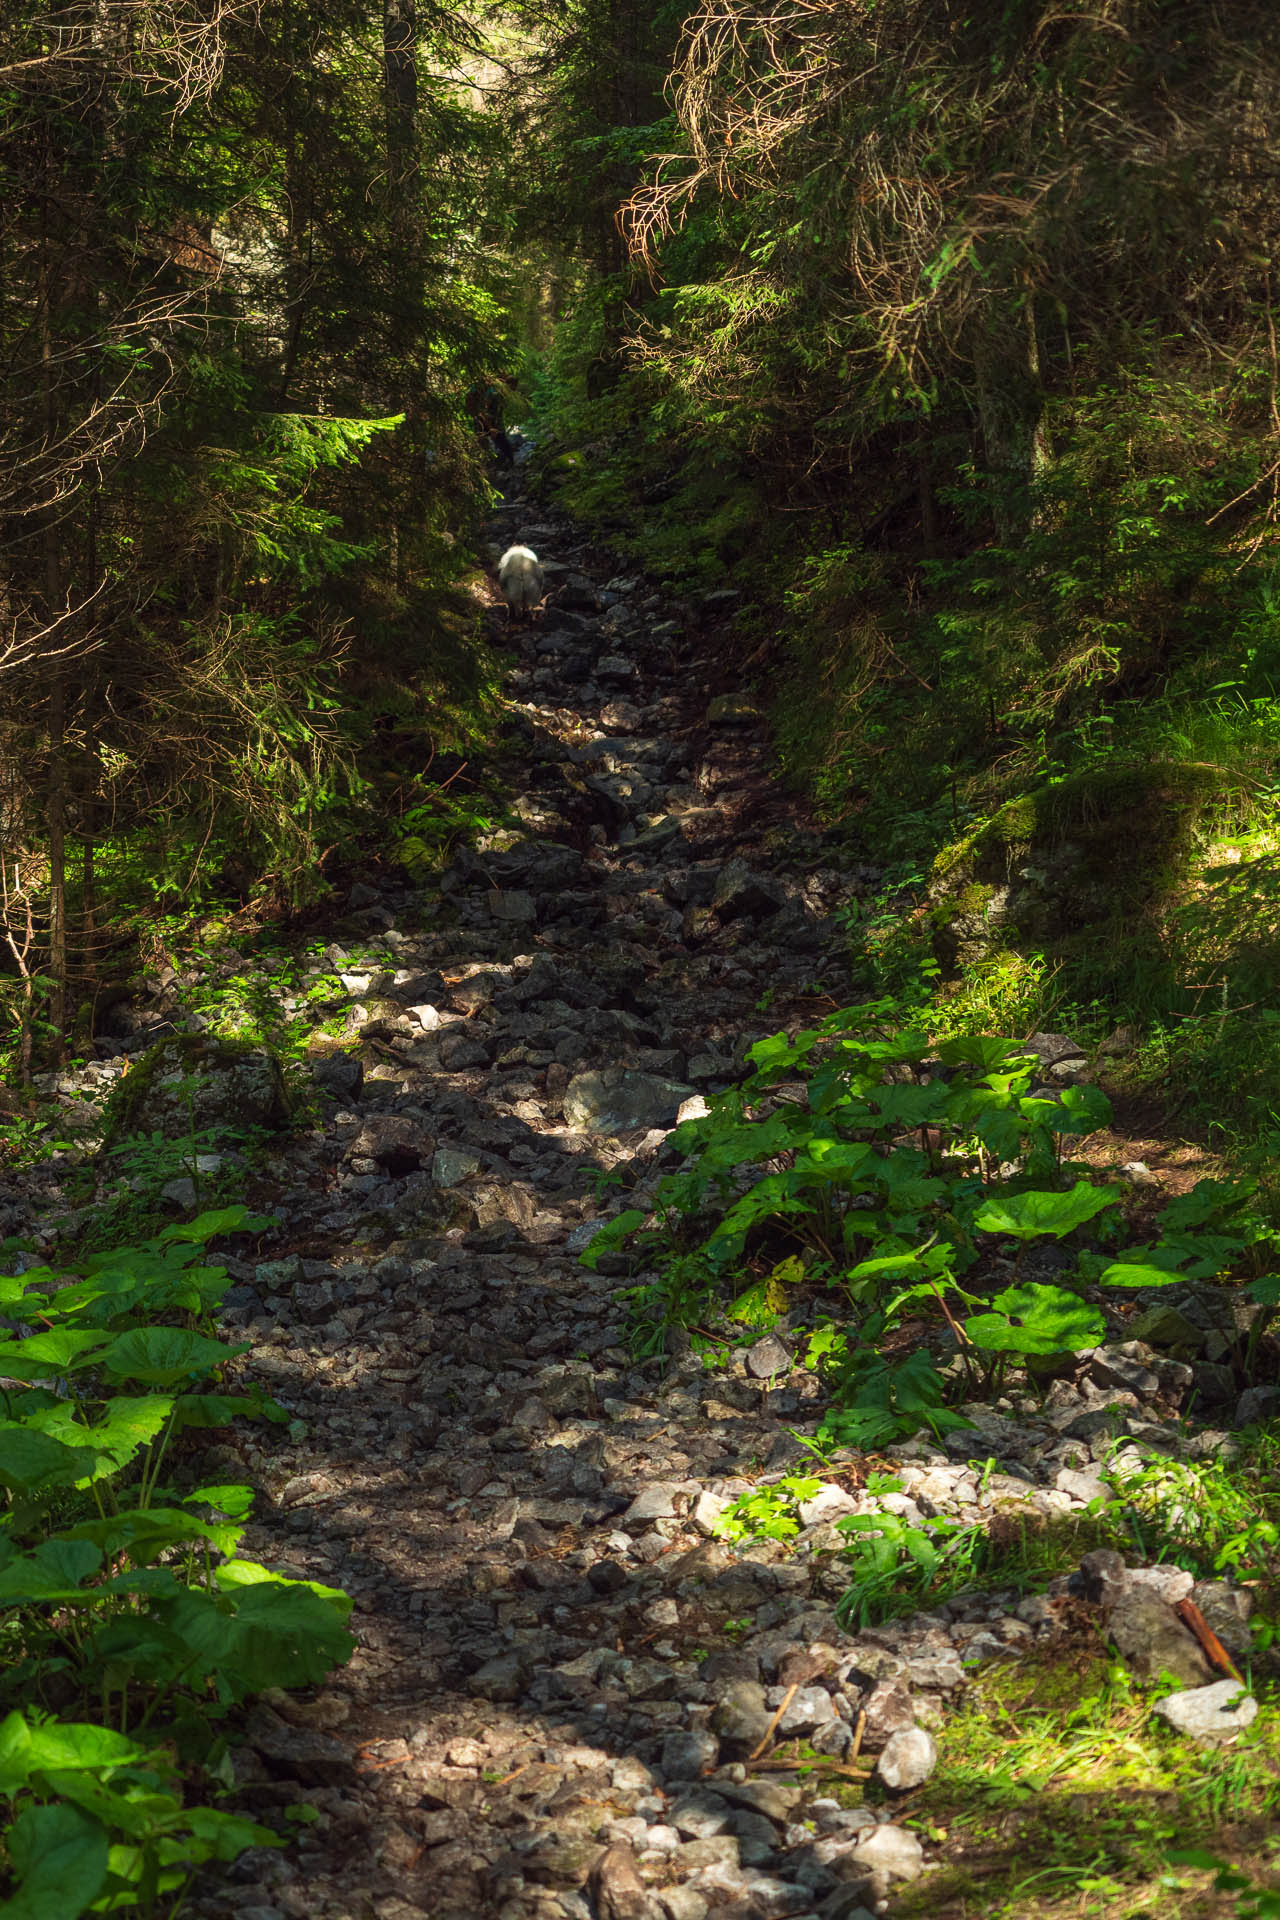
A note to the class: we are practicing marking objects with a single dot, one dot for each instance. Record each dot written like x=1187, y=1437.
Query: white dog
x=520, y=579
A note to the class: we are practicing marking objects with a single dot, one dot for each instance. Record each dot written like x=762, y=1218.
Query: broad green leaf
x=210, y=1225
x=1140, y=1273
x=611, y=1235
x=63, y=1350
x=235, y=1574
x=30, y=1747
x=134, y=1808
x=1265, y=1290
x=1084, y=1110
x=146, y=1532
x=910, y=1106
x=59, y=1858
x=220, y=1409
x=1201, y=1255
x=127, y=1424
x=1208, y=1200
x=32, y=1462
x=165, y=1355
x=1029, y=1215
x=980, y=1051
x=281, y=1634
x=235, y=1501
x=224, y=1836
x=1037, y=1319
x=756, y=1306
x=52, y=1571
x=835, y=1159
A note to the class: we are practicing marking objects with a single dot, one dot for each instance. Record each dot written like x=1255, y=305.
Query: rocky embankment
x=571, y=1701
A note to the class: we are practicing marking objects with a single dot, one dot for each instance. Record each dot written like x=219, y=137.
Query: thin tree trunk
x=1006, y=364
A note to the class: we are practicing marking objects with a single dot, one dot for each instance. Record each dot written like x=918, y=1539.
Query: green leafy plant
x=896, y=1566
x=127, y=1591
x=769, y=1512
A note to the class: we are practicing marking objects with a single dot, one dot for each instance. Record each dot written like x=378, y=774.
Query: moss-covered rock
x=1056, y=868
x=196, y=1083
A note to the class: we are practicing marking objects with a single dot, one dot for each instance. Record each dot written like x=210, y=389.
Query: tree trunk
x=400, y=95
x=1006, y=365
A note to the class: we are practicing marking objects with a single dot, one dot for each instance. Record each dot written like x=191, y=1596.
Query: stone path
x=569, y=1699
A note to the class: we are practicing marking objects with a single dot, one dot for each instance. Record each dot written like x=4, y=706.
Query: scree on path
x=552, y=1700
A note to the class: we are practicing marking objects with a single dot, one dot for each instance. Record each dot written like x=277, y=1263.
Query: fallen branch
x=1210, y=1645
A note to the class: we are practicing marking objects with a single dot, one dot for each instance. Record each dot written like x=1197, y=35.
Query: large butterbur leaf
x=1028, y=1216
x=64, y=1350
x=51, y=1572
x=33, y=1463
x=59, y=1859
x=1036, y=1319
x=162, y=1356
x=30, y=1748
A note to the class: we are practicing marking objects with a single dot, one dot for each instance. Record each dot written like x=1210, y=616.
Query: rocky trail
x=570, y=1699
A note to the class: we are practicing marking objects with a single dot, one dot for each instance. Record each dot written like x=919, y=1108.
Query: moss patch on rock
x=1061, y=869
x=200, y=1084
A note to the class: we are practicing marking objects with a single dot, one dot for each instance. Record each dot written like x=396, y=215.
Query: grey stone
x=1085, y=1484
x=278, y=1276
x=539, y=865
x=892, y=1850
x=502, y=1678
x=1257, y=1404
x=1168, y=1583
x=617, y=1891
x=191, y=1084
x=836, y=1738
x=689, y=1753
x=700, y=1815
x=1103, y=1576
x=707, y=1510
x=1151, y=1639
x=809, y=1707
x=514, y=906
x=654, y=1502
x=889, y=1710
x=459, y=1051
x=1128, y=1365
x=733, y=710
x=938, y=1672
x=341, y=1075
x=741, y=1718
x=1212, y=1715
x=768, y=1357
x=741, y=894
x=299, y=1753
x=770, y=1797
x=450, y=1165
x=395, y=1142
x=1169, y=1331
x=846, y=1903
x=1226, y=1610
x=613, y=1100
x=908, y=1759
x=682, y=1903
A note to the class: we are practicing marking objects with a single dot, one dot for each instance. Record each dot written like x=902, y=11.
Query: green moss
x=1054, y=1779
x=194, y=1057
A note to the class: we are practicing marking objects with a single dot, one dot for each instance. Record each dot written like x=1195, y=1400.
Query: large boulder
x=198, y=1084
x=612, y=1100
x=1054, y=869
x=531, y=865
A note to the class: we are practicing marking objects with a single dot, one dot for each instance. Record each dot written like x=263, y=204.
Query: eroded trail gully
x=520, y=1512
x=562, y=1677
